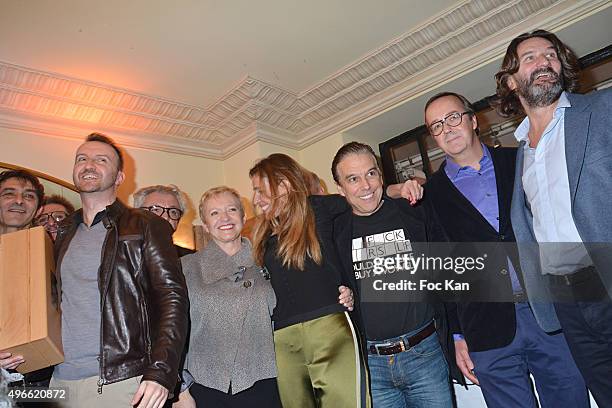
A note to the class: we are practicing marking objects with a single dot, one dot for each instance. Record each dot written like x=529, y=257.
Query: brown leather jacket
x=143, y=297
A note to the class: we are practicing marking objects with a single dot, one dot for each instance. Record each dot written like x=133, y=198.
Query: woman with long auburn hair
x=317, y=351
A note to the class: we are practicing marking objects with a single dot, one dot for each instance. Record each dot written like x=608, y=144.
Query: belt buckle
x=377, y=347
x=401, y=343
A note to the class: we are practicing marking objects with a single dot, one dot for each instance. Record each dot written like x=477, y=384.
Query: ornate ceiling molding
x=449, y=45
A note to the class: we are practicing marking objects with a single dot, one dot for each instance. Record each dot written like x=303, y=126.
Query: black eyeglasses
x=57, y=216
x=173, y=212
x=452, y=120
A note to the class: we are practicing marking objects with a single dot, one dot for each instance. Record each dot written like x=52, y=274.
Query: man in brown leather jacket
x=123, y=296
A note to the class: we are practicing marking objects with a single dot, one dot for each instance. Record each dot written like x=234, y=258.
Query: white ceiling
x=207, y=78
x=584, y=37
x=193, y=51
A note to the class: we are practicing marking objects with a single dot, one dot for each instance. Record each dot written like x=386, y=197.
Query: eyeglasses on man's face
x=453, y=119
x=57, y=216
x=173, y=212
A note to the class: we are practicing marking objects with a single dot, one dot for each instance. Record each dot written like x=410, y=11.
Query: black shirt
x=182, y=251
x=382, y=235
x=313, y=292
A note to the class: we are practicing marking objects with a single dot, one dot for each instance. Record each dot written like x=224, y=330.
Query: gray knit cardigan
x=231, y=339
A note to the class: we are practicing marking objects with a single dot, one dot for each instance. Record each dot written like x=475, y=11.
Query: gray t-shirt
x=81, y=304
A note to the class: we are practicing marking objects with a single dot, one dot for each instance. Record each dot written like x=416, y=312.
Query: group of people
x=289, y=318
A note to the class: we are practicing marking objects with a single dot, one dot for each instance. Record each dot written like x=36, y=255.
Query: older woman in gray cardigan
x=231, y=351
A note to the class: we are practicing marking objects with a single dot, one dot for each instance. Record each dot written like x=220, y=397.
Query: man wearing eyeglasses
x=497, y=344
x=54, y=210
x=167, y=202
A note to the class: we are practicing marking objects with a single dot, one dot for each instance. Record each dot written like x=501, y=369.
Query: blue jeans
x=503, y=372
x=416, y=378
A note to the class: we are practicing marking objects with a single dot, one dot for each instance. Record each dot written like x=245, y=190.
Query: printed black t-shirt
x=382, y=235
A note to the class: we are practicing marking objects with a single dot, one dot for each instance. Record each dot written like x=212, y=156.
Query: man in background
x=20, y=196
x=167, y=202
x=21, y=193
x=54, y=210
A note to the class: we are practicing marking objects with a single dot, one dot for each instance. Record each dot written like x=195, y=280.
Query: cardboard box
x=30, y=321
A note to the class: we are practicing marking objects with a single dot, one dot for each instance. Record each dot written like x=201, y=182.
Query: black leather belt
x=580, y=275
x=386, y=349
x=584, y=285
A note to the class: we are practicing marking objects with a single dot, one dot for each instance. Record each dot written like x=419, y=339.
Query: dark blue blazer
x=588, y=152
x=485, y=325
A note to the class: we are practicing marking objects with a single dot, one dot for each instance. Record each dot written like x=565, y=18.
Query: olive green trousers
x=320, y=365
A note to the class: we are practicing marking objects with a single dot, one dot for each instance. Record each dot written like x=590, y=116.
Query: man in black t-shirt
x=407, y=365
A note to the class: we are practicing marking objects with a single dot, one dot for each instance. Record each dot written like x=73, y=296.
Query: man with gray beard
x=563, y=186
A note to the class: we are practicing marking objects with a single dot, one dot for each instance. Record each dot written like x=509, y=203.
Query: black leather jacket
x=143, y=297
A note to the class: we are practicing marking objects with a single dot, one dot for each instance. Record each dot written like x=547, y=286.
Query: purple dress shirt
x=480, y=188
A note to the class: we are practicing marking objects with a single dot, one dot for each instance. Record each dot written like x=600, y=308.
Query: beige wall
x=193, y=175
x=236, y=173
x=55, y=155
x=373, y=140
x=269, y=148
x=318, y=157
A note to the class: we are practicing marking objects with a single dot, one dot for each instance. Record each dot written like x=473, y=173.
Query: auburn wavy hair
x=507, y=102
x=290, y=216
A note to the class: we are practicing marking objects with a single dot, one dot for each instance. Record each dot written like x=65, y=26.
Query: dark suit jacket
x=588, y=136
x=422, y=227
x=487, y=325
